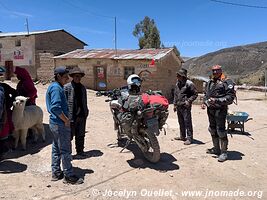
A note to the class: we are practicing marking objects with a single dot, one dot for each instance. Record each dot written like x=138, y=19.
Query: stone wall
x=161, y=76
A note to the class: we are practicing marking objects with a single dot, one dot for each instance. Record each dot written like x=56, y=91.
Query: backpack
x=155, y=99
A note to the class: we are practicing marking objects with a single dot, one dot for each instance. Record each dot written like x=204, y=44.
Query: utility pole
x=27, y=26
x=265, y=80
x=115, y=20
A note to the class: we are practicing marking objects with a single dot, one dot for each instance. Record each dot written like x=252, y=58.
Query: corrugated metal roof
x=119, y=54
x=12, y=34
x=26, y=33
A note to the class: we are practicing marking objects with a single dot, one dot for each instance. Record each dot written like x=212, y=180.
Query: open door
x=9, y=69
x=100, y=78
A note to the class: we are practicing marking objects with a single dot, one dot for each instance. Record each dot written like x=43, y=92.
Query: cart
x=237, y=120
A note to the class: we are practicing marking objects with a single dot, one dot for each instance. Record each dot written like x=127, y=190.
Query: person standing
x=26, y=86
x=59, y=124
x=218, y=95
x=7, y=96
x=184, y=95
x=78, y=111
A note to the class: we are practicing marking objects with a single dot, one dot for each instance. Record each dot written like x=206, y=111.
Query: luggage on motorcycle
x=155, y=99
x=133, y=103
x=126, y=120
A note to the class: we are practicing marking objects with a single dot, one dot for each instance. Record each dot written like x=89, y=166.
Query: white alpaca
x=24, y=118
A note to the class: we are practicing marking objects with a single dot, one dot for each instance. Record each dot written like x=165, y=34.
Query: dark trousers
x=185, y=122
x=78, y=130
x=217, y=120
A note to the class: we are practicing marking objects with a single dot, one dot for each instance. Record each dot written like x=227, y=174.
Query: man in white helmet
x=134, y=84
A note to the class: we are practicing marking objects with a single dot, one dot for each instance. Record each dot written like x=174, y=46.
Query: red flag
x=152, y=63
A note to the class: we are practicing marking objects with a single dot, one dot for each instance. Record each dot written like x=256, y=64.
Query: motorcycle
x=137, y=121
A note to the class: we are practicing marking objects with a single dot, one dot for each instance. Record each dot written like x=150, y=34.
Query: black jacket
x=184, y=92
x=222, y=91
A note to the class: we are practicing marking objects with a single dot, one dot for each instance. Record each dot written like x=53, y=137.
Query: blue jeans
x=61, y=149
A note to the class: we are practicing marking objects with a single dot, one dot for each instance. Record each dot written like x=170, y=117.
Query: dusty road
x=182, y=169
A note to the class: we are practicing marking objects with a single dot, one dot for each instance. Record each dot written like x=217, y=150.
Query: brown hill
x=244, y=64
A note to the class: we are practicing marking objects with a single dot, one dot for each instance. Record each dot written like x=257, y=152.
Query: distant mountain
x=244, y=64
x=185, y=58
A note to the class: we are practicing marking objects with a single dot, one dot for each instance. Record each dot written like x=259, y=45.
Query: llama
x=24, y=118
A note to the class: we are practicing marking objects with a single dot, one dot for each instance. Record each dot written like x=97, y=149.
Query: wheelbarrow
x=237, y=120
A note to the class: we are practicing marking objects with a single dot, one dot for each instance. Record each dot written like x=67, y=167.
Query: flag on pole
x=152, y=63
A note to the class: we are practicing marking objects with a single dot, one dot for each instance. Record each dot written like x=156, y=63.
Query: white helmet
x=134, y=80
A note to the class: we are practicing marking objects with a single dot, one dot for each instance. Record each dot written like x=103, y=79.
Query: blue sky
x=196, y=27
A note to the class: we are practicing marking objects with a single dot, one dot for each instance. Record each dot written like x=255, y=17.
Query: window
x=1, y=45
x=18, y=43
x=128, y=71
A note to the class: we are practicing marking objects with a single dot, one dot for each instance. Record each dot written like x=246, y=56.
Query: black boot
x=216, y=146
x=224, y=145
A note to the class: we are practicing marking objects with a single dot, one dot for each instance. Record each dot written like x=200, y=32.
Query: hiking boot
x=187, y=142
x=222, y=157
x=57, y=176
x=180, y=138
x=213, y=150
x=73, y=180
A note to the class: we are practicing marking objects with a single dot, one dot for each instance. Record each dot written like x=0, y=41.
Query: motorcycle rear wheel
x=153, y=152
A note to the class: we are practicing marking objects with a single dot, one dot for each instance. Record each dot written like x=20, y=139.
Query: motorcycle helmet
x=134, y=83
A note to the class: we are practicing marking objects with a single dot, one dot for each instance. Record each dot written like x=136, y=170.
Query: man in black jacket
x=184, y=95
x=219, y=94
x=76, y=96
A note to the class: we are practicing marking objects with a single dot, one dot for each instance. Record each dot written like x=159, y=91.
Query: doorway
x=100, y=73
x=9, y=69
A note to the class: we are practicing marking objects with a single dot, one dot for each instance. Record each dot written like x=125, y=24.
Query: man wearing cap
x=59, y=124
x=184, y=95
x=218, y=95
x=78, y=111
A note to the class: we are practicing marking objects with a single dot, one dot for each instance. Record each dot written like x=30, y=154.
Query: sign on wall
x=18, y=54
x=147, y=67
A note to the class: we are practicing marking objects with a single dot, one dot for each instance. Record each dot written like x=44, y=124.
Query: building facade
x=35, y=50
x=106, y=69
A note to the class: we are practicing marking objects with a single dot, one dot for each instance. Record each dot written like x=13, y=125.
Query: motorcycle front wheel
x=152, y=153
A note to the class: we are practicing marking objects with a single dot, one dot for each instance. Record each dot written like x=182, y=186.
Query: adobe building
x=35, y=50
x=106, y=69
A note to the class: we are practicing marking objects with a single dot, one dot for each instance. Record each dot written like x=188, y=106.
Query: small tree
x=176, y=50
x=147, y=33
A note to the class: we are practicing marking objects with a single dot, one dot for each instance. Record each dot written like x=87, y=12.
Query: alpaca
x=24, y=118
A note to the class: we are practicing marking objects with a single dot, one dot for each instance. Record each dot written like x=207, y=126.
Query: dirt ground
x=182, y=170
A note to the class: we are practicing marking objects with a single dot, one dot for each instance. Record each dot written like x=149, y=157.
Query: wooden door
x=9, y=69
x=100, y=78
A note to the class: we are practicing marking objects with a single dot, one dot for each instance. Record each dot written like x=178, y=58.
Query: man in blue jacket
x=59, y=124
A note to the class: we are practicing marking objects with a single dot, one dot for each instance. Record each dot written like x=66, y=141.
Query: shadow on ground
x=32, y=148
x=195, y=141
x=236, y=132
x=88, y=154
x=233, y=155
x=166, y=162
x=81, y=172
x=9, y=166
